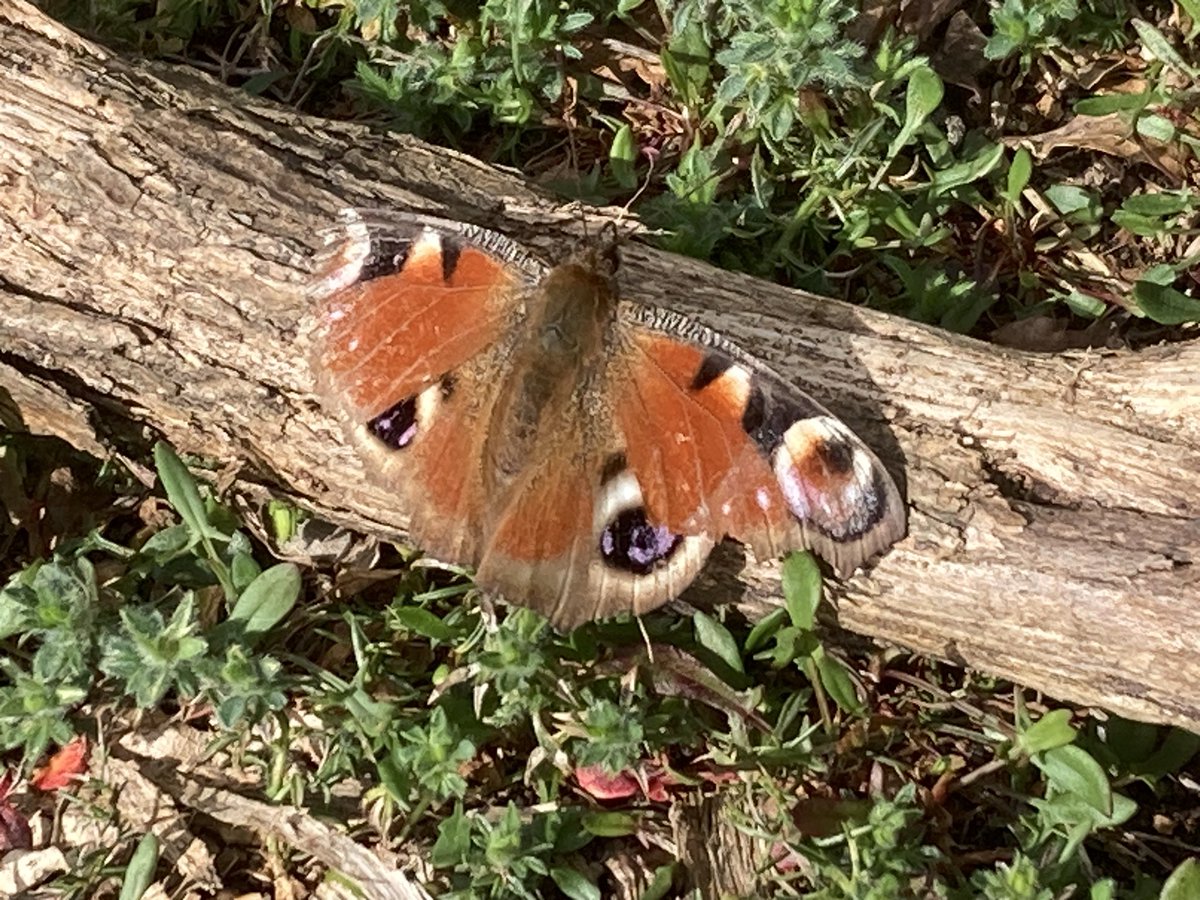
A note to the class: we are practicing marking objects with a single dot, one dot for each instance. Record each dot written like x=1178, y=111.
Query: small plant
x=147, y=641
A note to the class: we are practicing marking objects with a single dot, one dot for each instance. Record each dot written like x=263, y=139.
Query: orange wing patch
x=550, y=512
x=698, y=469
x=388, y=337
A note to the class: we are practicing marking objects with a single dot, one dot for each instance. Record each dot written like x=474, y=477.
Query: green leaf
x=838, y=684
x=576, y=20
x=1176, y=751
x=1192, y=8
x=611, y=824
x=1019, y=173
x=424, y=623
x=1052, y=730
x=1110, y=103
x=165, y=545
x=621, y=157
x=1074, y=771
x=1160, y=48
x=243, y=570
x=1166, y=203
x=267, y=600
x=285, y=519
x=1183, y=883
x=1070, y=198
x=1085, y=305
x=924, y=93
x=1135, y=223
x=660, y=883
x=714, y=636
x=139, y=874
x=453, y=841
x=969, y=171
x=575, y=884
x=763, y=629
x=686, y=63
x=1164, y=304
x=1162, y=273
x=801, y=581
x=182, y=493
x=1158, y=128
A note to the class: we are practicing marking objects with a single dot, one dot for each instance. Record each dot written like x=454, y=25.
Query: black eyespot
x=713, y=367
x=632, y=544
x=447, y=385
x=768, y=416
x=838, y=456
x=752, y=415
x=388, y=256
x=397, y=425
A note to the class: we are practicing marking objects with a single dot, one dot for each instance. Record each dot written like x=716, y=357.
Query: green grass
x=799, y=141
x=477, y=735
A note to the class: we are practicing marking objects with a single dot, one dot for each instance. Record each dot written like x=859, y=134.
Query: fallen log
x=156, y=230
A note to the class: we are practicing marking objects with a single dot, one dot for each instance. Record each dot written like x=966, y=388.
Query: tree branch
x=155, y=232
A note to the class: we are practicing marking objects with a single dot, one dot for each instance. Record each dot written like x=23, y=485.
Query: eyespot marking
x=396, y=426
x=769, y=418
x=451, y=253
x=630, y=543
x=827, y=482
x=712, y=367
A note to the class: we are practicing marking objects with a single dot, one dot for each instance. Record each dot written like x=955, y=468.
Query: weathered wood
x=155, y=229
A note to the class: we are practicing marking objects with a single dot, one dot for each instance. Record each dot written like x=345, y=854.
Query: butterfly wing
x=575, y=544
x=747, y=455
x=414, y=318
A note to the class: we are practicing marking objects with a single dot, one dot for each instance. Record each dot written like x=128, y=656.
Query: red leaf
x=63, y=766
x=14, y=827
x=657, y=784
x=602, y=785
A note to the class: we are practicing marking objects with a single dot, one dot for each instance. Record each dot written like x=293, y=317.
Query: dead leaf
x=680, y=673
x=1047, y=334
x=15, y=833
x=1111, y=134
x=922, y=17
x=825, y=816
x=23, y=870
x=960, y=58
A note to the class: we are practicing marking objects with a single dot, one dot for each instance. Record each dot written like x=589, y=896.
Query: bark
x=155, y=233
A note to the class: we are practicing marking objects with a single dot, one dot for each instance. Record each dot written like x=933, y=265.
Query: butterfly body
x=583, y=453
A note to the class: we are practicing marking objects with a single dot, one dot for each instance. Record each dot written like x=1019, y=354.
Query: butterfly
x=583, y=453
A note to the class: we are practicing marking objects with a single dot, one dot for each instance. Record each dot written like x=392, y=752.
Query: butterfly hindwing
x=751, y=456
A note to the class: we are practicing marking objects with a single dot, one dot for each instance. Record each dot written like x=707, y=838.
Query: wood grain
x=156, y=229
